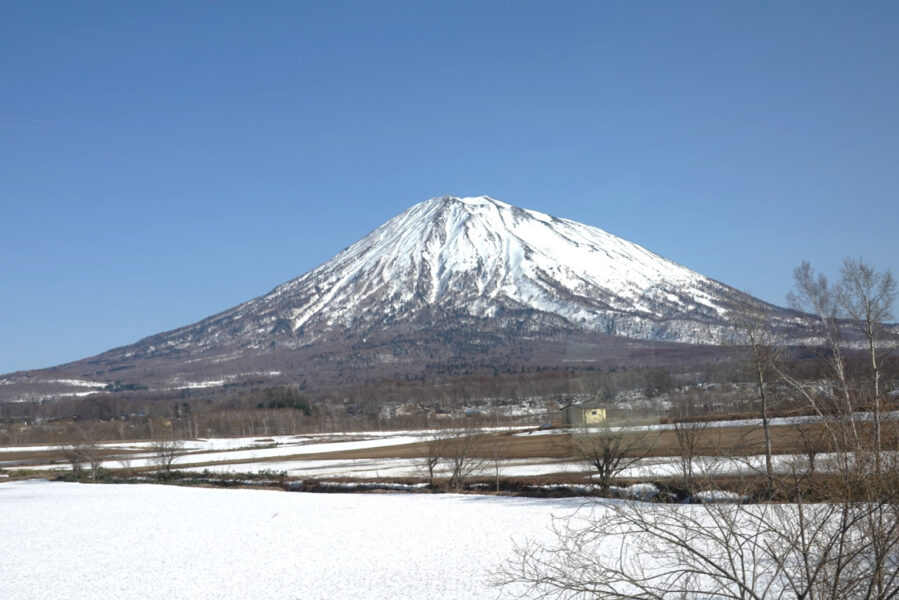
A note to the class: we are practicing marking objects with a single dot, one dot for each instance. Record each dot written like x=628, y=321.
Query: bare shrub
x=759, y=551
x=463, y=457
x=82, y=451
x=165, y=452
x=434, y=451
x=609, y=449
x=837, y=537
x=689, y=436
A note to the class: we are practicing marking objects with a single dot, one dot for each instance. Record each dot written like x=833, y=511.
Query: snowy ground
x=136, y=454
x=647, y=468
x=81, y=541
x=346, y=441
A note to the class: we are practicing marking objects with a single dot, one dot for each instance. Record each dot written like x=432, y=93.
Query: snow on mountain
x=452, y=286
x=487, y=254
x=478, y=258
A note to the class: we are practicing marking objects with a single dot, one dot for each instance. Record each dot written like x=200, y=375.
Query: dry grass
x=713, y=441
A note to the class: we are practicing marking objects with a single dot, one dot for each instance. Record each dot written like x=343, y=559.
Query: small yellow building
x=587, y=413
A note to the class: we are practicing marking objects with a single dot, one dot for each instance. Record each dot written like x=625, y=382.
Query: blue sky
x=163, y=161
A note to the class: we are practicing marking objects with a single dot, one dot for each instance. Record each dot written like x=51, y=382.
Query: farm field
x=82, y=541
x=722, y=448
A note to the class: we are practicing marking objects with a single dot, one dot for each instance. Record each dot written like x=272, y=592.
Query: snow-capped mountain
x=449, y=277
x=476, y=258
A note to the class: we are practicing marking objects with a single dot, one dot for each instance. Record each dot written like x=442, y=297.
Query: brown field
x=558, y=444
x=713, y=441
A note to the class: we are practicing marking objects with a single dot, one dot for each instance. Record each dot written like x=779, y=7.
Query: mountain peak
x=471, y=280
x=478, y=258
x=469, y=204
x=477, y=201
x=469, y=200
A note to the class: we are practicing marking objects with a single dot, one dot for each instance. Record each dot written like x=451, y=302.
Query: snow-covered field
x=222, y=450
x=288, y=454
x=67, y=540
x=254, y=454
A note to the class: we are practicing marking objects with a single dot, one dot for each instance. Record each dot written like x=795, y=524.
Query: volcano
x=451, y=283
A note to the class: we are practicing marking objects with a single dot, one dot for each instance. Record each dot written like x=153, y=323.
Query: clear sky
x=163, y=161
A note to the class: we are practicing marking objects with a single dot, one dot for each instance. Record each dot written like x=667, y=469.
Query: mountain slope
x=481, y=258
x=456, y=277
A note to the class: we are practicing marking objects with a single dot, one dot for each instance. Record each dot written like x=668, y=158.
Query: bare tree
x=609, y=450
x=689, y=437
x=82, y=450
x=434, y=451
x=812, y=443
x=753, y=326
x=814, y=295
x=463, y=456
x=762, y=551
x=92, y=453
x=498, y=446
x=75, y=457
x=866, y=298
x=165, y=452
